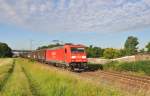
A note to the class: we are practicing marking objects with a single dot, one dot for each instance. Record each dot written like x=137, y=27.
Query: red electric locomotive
x=69, y=56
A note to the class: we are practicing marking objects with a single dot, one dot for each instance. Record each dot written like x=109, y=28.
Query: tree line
x=5, y=50
x=130, y=48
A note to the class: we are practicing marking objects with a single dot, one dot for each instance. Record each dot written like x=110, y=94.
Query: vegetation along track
x=125, y=80
x=7, y=76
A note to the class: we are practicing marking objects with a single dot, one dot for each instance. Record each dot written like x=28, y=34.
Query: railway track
x=125, y=80
x=129, y=81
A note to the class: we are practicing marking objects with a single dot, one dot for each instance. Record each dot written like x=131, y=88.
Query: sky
x=103, y=23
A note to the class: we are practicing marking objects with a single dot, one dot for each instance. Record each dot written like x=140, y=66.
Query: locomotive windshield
x=74, y=50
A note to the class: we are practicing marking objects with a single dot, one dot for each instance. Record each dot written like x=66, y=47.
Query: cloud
x=76, y=15
x=8, y=13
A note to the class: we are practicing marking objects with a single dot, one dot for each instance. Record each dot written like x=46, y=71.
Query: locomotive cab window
x=74, y=50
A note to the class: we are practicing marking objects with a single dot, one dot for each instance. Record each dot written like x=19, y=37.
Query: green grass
x=51, y=82
x=27, y=78
x=139, y=67
x=6, y=69
x=17, y=84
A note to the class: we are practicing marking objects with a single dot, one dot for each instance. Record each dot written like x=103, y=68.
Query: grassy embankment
x=139, y=67
x=25, y=78
x=51, y=82
x=17, y=84
x=6, y=68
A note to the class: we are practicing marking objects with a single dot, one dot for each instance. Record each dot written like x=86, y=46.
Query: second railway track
x=126, y=80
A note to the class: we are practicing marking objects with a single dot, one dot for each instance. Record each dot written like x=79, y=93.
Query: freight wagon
x=68, y=56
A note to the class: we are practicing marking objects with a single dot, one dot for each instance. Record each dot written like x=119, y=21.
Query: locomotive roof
x=71, y=45
x=51, y=48
x=56, y=47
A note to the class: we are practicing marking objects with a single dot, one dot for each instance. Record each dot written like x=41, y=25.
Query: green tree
x=122, y=52
x=97, y=52
x=117, y=53
x=111, y=53
x=131, y=45
x=5, y=50
x=148, y=47
x=94, y=52
x=89, y=51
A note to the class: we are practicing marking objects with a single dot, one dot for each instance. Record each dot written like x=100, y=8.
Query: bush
x=94, y=67
x=94, y=52
x=138, y=67
x=111, y=53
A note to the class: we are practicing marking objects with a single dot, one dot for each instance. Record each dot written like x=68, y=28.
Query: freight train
x=69, y=56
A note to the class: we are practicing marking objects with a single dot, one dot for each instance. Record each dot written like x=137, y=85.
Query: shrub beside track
x=139, y=67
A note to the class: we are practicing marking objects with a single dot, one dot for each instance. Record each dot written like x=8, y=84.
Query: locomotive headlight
x=73, y=57
x=83, y=57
